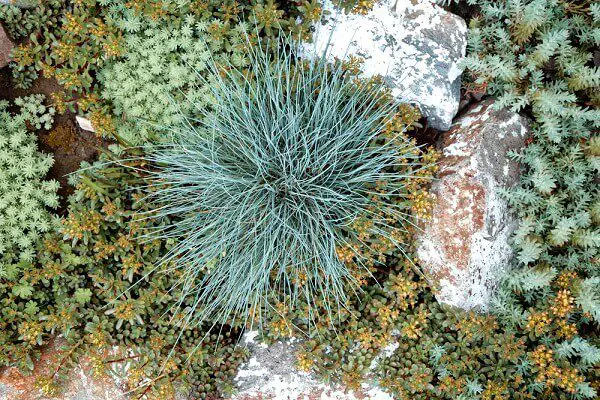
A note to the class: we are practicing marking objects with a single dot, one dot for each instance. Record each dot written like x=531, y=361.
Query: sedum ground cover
x=93, y=272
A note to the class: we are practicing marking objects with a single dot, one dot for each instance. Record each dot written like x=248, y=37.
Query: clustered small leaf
x=26, y=198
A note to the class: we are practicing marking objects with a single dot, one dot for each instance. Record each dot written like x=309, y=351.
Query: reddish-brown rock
x=82, y=384
x=6, y=45
x=464, y=248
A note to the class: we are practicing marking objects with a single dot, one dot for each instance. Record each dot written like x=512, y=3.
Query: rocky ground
x=417, y=47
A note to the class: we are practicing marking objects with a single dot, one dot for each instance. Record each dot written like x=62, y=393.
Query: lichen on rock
x=416, y=46
x=465, y=247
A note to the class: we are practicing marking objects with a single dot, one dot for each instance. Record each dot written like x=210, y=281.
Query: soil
x=69, y=144
x=463, y=10
x=425, y=136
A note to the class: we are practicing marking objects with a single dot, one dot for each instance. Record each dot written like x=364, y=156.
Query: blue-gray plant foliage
x=264, y=186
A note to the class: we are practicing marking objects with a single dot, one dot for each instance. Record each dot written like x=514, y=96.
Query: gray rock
x=271, y=373
x=20, y=3
x=81, y=382
x=6, y=46
x=415, y=45
x=464, y=248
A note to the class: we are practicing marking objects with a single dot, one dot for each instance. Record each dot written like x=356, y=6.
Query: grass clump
x=276, y=187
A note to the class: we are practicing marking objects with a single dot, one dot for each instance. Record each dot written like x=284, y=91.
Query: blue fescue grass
x=265, y=185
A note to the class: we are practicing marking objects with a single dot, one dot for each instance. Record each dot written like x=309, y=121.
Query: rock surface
x=271, y=373
x=20, y=3
x=465, y=246
x=6, y=45
x=415, y=45
x=81, y=385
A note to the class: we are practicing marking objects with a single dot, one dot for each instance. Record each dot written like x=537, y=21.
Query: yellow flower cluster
x=156, y=342
x=473, y=325
x=363, y=7
x=494, y=391
x=305, y=361
x=281, y=324
x=409, y=114
x=88, y=191
x=23, y=55
x=353, y=64
x=86, y=102
x=421, y=203
x=51, y=245
x=299, y=279
x=281, y=327
x=420, y=380
x=75, y=225
x=131, y=265
x=97, y=364
x=102, y=123
x=352, y=379
x=112, y=47
x=64, y=51
x=31, y=332
x=155, y=9
x=542, y=356
x=104, y=250
x=563, y=303
x=72, y=25
x=267, y=14
x=59, y=321
x=49, y=71
x=565, y=279
x=565, y=329
x=550, y=374
x=229, y=12
x=69, y=79
x=125, y=310
x=109, y=209
x=387, y=315
x=405, y=289
x=51, y=269
x=569, y=380
x=164, y=390
x=59, y=100
x=124, y=242
x=345, y=254
x=48, y=386
x=537, y=322
x=448, y=384
x=412, y=329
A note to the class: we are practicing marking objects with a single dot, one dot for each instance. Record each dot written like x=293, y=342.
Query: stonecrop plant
x=276, y=186
x=25, y=197
x=71, y=289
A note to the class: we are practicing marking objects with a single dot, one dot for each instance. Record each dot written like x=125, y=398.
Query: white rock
x=20, y=3
x=271, y=373
x=415, y=45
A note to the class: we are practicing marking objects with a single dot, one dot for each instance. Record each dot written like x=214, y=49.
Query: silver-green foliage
x=537, y=56
x=265, y=185
x=162, y=63
x=24, y=194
